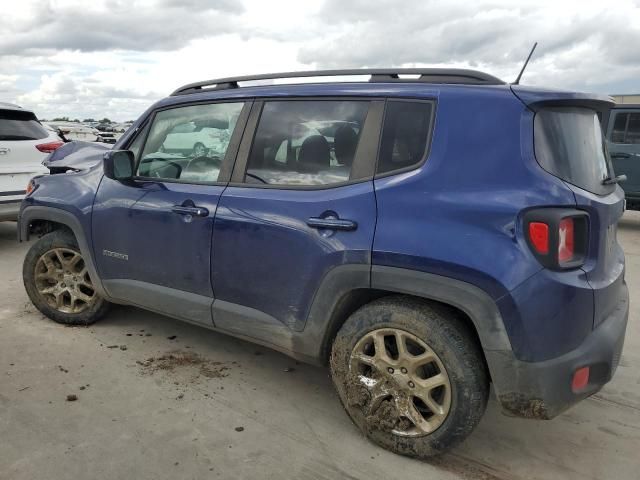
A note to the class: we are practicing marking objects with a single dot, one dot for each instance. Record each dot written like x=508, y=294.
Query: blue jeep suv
x=425, y=233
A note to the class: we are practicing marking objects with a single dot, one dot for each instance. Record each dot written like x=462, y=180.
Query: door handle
x=193, y=211
x=332, y=223
x=620, y=155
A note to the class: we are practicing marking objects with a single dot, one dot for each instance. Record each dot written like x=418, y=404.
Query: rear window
x=306, y=142
x=569, y=144
x=17, y=125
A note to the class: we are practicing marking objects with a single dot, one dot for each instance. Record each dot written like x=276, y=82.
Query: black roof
x=421, y=75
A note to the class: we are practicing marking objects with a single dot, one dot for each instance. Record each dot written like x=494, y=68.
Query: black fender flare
x=313, y=339
x=473, y=301
x=30, y=214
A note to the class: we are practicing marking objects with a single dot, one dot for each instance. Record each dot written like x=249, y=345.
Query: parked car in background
x=76, y=131
x=623, y=141
x=108, y=137
x=424, y=237
x=121, y=127
x=198, y=138
x=24, y=143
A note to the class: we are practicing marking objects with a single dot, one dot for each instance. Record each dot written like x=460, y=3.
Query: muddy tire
x=57, y=281
x=410, y=375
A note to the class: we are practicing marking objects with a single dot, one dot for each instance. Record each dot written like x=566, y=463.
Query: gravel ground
x=143, y=396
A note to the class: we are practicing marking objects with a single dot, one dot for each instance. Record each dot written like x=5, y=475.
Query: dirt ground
x=141, y=396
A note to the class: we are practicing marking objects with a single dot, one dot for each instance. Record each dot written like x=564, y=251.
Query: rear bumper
x=543, y=389
x=9, y=211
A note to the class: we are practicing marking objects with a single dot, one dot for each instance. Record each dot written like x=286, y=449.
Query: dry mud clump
x=180, y=362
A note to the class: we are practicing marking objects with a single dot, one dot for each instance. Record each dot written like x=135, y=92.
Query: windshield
x=569, y=144
x=20, y=125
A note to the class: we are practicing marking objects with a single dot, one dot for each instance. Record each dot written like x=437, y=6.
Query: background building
x=631, y=98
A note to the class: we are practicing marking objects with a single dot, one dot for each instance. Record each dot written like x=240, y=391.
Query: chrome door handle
x=193, y=211
x=332, y=223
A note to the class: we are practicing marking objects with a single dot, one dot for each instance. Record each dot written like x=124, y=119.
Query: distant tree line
x=76, y=120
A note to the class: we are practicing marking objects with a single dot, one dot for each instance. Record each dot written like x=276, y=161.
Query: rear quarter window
x=20, y=125
x=569, y=144
x=405, y=135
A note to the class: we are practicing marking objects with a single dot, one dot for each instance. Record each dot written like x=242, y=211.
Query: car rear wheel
x=410, y=375
x=57, y=281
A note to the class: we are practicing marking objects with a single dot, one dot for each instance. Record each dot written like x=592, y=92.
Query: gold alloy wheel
x=62, y=279
x=395, y=366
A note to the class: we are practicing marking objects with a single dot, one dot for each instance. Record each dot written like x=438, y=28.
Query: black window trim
x=622, y=111
x=427, y=151
x=367, y=146
x=232, y=149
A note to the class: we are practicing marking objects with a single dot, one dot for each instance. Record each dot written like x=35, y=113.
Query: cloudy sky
x=115, y=57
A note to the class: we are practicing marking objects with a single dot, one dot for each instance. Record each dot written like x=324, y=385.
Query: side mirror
x=118, y=165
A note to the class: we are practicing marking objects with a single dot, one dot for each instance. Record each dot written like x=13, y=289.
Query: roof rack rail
x=423, y=75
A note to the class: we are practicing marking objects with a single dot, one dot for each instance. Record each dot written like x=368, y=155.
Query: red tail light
x=539, y=236
x=558, y=237
x=566, y=240
x=49, y=147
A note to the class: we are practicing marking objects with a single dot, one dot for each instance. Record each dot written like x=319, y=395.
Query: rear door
x=152, y=236
x=624, y=146
x=20, y=159
x=301, y=202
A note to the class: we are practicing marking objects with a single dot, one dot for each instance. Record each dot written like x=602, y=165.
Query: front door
x=153, y=237
x=300, y=203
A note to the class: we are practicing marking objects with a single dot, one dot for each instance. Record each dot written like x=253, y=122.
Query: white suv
x=24, y=144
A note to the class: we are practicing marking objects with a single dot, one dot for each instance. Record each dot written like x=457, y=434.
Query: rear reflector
x=580, y=379
x=49, y=147
x=539, y=236
x=566, y=240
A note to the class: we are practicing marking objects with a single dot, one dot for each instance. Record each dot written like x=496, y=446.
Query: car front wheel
x=57, y=281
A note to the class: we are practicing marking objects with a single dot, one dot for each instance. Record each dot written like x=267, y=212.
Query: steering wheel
x=203, y=163
x=166, y=163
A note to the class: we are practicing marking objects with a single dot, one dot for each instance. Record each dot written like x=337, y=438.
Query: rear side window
x=626, y=128
x=306, y=143
x=18, y=125
x=405, y=135
x=569, y=145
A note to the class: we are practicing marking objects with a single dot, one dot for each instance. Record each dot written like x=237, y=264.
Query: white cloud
x=115, y=57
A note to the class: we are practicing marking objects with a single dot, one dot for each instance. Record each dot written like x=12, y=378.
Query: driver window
x=189, y=143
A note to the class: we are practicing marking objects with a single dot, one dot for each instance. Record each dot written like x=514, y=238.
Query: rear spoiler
x=537, y=98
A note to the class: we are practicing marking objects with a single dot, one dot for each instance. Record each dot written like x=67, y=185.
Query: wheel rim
x=397, y=372
x=62, y=279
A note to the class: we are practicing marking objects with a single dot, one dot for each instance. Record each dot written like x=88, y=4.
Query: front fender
x=29, y=214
